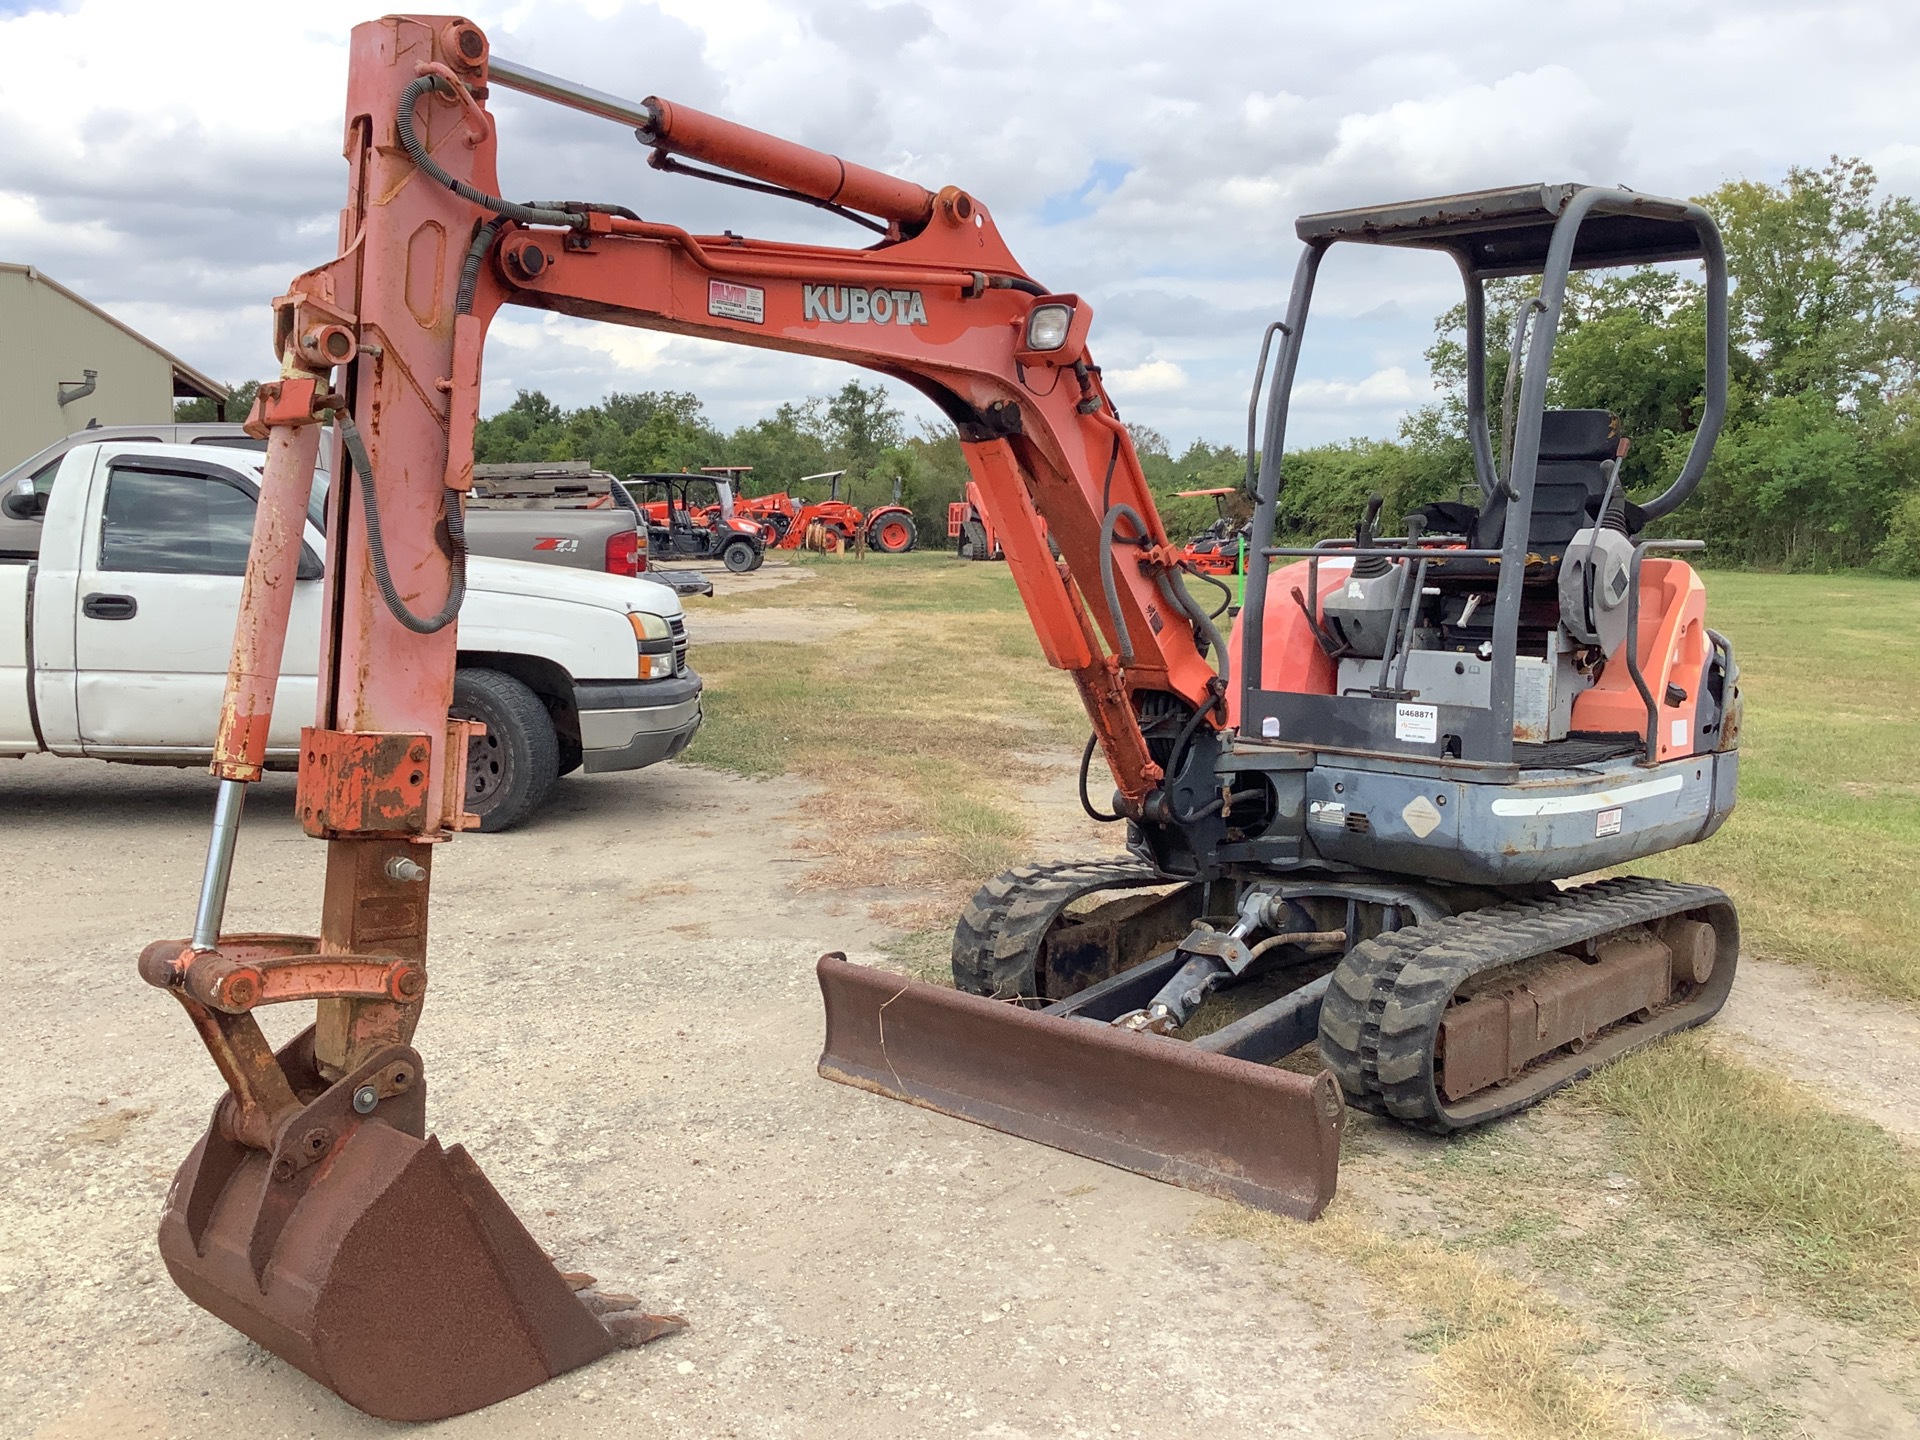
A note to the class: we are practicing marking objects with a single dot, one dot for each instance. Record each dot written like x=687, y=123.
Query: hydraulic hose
x=377, y=549
x=1177, y=596
x=1214, y=581
x=525, y=214
x=1109, y=523
x=1016, y=282
x=483, y=238
x=1086, y=764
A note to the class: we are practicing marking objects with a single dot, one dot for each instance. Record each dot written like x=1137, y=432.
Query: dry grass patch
x=1508, y=1360
x=912, y=725
x=1829, y=1203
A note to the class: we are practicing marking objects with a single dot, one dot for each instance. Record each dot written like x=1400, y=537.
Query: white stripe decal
x=1594, y=800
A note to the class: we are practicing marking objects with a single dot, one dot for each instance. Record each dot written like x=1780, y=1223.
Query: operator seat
x=1570, y=481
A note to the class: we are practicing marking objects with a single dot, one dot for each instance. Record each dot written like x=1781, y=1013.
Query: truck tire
x=892, y=534
x=738, y=556
x=513, y=766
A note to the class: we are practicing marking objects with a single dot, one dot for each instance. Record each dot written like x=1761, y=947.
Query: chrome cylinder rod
x=529, y=81
x=213, y=882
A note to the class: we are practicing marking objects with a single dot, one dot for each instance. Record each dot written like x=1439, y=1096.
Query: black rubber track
x=1381, y=1018
x=996, y=945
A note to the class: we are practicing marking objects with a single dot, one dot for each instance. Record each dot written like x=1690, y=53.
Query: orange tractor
x=1221, y=548
x=970, y=527
x=1350, y=819
x=832, y=523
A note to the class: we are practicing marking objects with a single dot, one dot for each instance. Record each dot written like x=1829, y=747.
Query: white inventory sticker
x=1606, y=823
x=736, y=302
x=1416, y=724
x=1679, y=731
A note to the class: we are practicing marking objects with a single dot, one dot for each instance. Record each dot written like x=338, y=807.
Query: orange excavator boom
x=317, y=1214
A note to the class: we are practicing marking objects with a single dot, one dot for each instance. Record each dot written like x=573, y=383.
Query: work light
x=1048, y=325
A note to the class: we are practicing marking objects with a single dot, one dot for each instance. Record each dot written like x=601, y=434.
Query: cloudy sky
x=179, y=162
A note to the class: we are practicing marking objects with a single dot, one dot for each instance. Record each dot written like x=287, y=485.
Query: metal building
x=66, y=363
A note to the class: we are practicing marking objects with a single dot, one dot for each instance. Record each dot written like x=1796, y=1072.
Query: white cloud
x=179, y=163
x=1389, y=388
x=1155, y=377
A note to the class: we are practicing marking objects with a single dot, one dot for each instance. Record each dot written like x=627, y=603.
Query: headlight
x=649, y=627
x=1047, y=326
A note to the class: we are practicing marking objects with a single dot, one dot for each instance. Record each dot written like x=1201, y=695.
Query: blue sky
x=178, y=163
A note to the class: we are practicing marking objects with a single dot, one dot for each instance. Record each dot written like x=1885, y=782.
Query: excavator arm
x=317, y=1215
x=938, y=302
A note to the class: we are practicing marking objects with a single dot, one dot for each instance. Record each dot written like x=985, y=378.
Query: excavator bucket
x=385, y=1267
x=1143, y=1102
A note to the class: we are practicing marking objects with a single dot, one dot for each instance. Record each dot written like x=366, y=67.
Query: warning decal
x=736, y=302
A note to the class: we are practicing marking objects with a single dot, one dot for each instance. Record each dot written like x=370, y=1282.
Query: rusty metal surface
x=360, y=1251
x=1561, y=1000
x=266, y=596
x=250, y=970
x=363, y=784
x=1269, y=1138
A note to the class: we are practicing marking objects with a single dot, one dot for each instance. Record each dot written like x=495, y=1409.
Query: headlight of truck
x=649, y=627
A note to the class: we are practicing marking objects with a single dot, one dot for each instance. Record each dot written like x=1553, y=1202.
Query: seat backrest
x=1575, y=446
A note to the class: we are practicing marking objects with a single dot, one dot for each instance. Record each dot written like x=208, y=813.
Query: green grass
x=1822, y=853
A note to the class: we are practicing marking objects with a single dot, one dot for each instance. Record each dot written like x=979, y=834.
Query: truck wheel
x=512, y=767
x=738, y=556
x=973, y=541
x=892, y=534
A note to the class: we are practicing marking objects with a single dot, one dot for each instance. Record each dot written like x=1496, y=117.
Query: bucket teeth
x=1160, y=1107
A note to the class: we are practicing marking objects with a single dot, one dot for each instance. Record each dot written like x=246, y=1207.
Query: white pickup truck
x=115, y=634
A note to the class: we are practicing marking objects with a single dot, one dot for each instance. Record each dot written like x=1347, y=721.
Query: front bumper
x=627, y=724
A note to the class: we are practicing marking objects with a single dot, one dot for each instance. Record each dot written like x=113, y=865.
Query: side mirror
x=23, y=502
x=310, y=566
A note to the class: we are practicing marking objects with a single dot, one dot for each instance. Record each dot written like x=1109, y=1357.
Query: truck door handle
x=109, y=607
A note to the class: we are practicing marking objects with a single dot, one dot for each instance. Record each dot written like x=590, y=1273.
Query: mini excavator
x=1345, y=822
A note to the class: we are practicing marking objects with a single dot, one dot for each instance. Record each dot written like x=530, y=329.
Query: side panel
x=16, y=717
x=1294, y=661
x=152, y=669
x=1672, y=650
x=71, y=514
x=574, y=538
x=1541, y=829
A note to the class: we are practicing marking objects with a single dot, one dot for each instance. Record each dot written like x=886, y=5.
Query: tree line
x=1817, y=467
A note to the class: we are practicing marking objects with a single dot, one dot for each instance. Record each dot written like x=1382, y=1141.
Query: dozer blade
x=1145, y=1103
x=385, y=1267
